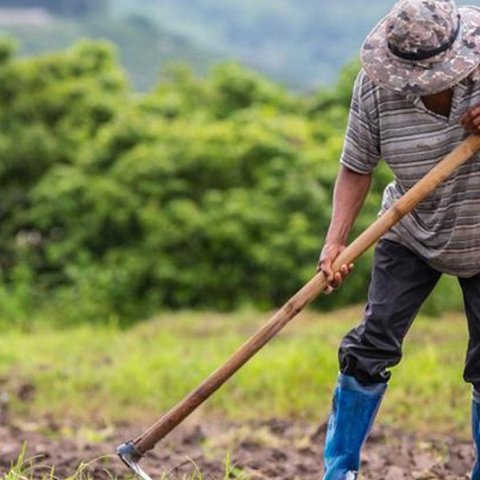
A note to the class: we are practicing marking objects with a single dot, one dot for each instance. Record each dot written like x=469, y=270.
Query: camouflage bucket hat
x=423, y=47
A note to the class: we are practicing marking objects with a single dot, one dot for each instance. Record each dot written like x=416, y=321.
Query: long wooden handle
x=304, y=296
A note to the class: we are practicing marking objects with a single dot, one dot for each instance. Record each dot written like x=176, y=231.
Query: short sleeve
x=361, y=149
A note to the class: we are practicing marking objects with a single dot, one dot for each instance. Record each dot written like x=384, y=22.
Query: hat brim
x=424, y=77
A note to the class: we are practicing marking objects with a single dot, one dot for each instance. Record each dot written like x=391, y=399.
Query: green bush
x=210, y=193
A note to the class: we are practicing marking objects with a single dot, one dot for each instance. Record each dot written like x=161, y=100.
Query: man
x=413, y=102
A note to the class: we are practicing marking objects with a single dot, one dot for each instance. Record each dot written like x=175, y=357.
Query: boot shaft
x=353, y=412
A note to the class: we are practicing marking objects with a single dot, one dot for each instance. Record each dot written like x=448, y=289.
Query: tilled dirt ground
x=284, y=450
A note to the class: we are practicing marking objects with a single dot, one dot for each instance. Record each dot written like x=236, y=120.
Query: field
x=74, y=394
x=206, y=193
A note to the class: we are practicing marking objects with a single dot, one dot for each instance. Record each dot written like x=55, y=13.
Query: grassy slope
x=100, y=374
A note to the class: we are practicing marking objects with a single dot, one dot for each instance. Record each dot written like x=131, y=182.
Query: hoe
x=132, y=451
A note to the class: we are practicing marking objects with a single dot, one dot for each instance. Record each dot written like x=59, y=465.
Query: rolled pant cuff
x=348, y=382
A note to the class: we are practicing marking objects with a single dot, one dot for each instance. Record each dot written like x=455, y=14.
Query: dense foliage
x=209, y=193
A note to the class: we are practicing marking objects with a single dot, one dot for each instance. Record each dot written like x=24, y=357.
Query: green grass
x=101, y=375
x=23, y=471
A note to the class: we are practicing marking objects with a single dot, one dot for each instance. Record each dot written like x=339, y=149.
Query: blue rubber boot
x=476, y=433
x=353, y=412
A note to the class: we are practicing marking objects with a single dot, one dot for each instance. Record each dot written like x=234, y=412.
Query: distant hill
x=144, y=47
x=301, y=44
x=61, y=7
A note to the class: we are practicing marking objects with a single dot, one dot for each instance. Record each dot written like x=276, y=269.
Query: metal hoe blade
x=130, y=457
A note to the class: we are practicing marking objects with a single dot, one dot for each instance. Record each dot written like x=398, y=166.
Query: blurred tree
x=204, y=193
x=49, y=108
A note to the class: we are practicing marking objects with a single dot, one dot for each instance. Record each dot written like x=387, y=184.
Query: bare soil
x=274, y=449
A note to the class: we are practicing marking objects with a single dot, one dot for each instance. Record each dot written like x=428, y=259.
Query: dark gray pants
x=401, y=281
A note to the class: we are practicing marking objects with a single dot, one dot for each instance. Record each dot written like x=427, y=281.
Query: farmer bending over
x=413, y=102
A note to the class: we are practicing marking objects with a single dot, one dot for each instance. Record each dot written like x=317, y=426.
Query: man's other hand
x=470, y=120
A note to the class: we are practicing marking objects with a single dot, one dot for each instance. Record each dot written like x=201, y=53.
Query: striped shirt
x=444, y=228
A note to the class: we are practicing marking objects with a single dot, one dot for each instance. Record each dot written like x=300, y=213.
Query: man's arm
x=350, y=191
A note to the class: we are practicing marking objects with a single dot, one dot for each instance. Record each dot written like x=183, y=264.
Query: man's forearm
x=350, y=192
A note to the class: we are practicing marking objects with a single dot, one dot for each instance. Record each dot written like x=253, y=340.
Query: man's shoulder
x=366, y=89
x=373, y=95
x=366, y=93
x=363, y=83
